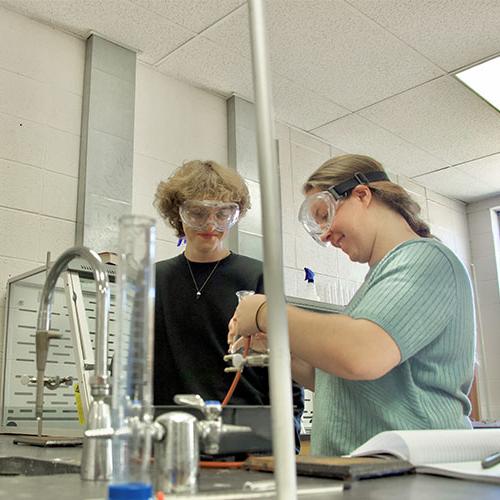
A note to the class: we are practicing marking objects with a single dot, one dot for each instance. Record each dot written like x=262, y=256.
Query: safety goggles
x=317, y=212
x=316, y=215
x=199, y=214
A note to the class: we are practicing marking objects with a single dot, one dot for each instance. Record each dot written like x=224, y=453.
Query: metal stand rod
x=280, y=366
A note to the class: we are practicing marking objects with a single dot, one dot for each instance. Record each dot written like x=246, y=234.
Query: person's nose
x=326, y=235
x=211, y=222
x=327, y=232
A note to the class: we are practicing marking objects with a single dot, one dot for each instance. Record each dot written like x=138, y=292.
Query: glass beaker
x=132, y=399
x=241, y=294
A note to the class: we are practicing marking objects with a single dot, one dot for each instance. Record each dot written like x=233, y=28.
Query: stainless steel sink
x=23, y=466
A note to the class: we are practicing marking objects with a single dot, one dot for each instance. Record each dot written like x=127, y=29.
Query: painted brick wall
x=41, y=81
x=41, y=77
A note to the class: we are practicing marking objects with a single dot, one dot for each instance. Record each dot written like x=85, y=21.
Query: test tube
x=132, y=400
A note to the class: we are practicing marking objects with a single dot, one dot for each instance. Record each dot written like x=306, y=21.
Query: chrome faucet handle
x=211, y=409
x=211, y=428
x=231, y=428
x=104, y=433
x=27, y=379
x=49, y=382
x=193, y=400
x=157, y=432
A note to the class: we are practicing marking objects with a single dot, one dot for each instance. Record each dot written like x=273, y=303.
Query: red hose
x=237, y=375
x=221, y=465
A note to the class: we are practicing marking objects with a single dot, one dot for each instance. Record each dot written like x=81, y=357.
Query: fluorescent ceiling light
x=484, y=80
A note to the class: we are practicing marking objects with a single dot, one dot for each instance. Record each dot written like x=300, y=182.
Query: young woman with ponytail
x=401, y=354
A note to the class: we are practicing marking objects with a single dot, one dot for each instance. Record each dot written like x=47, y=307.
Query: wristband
x=257, y=316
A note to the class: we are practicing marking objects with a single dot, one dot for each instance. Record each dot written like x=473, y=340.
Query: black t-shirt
x=191, y=332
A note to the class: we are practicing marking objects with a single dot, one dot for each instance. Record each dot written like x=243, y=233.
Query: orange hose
x=237, y=375
x=221, y=465
x=230, y=392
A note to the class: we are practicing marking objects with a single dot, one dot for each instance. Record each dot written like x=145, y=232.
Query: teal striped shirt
x=421, y=295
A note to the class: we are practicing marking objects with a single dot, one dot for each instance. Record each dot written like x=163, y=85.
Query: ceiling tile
x=134, y=27
x=331, y=49
x=195, y=15
x=356, y=134
x=486, y=170
x=456, y=184
x=442, y=117
x=210, y=66
x=204, y=64
x=337, y=56
x=451, y=33
x=300, y=107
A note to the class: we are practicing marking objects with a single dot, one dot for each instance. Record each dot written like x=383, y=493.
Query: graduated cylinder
x=132, y=400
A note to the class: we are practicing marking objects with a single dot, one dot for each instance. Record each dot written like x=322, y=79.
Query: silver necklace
x=198, y=290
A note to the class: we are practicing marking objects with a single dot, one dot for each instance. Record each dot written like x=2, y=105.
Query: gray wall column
x=242, y=156
x=107, y=143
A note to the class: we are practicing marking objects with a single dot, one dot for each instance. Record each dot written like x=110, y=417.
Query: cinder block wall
x=41, y=82
x=41, y=79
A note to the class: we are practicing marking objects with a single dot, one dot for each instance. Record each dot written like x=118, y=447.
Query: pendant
x=198, y=295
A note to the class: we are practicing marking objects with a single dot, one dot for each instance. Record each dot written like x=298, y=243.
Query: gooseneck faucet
x=97, y=457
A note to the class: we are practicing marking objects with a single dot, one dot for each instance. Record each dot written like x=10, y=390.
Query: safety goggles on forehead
x=317, y=211
x=199, y=214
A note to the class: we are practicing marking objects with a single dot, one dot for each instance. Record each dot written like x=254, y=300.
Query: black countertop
x=228, y=483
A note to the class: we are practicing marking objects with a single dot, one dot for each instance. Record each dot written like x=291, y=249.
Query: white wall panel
x=56, y=236
x=16, y=186
x=59, y=195
x=41, y=82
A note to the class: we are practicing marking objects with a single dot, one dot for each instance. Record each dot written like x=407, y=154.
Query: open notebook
x=452, y=453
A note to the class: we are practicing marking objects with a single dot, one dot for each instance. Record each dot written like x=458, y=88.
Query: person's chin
x=357, y=257
x=350, y=253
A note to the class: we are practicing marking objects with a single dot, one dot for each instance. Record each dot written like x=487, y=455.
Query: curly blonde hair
x=199, y=180
x=342, y=168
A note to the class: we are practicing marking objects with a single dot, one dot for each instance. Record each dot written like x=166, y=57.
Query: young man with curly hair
x=196, y=291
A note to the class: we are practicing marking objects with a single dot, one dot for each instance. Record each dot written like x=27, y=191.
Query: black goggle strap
x=359, y=178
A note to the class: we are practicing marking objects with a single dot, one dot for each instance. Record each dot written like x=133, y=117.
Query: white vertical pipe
x=279, y=368
x=483, y=383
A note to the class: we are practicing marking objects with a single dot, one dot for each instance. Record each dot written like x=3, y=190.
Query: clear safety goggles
x=316, y=215
x=199, y=214
x=318, y=210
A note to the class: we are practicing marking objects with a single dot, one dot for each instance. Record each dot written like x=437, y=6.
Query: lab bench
x=230, y=482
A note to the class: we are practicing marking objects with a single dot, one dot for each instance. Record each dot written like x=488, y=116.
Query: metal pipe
x=43, y=333
x=280, y=366
x=483, y=384
x=102, y=301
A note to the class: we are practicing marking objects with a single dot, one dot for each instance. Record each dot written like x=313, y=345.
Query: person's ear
x=363, y=194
